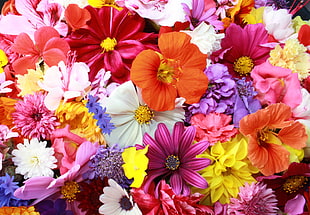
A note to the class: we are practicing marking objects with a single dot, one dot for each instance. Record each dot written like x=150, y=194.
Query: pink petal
x=295, y=206
x=176, y=183
x=24, y=45
x=14, y=25
x=43, y=35
x=162, y=136
x=197, y=164
x=21, y=65
x=193, y=178
x=129, y=49
x=85, y=151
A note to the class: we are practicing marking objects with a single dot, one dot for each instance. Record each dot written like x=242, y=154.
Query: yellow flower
x=135, y=164
x=292, y=56
x=22, y=210
x=3, y=60
x=298, y=22
x=28, y=83
x=101, y=3
x=230, y=169
x=255, y=16
x=80, y=120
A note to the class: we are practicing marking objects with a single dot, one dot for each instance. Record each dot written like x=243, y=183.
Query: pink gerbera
x=111, y=40
x=33, y=118
x=174, y=157
x=241, y=48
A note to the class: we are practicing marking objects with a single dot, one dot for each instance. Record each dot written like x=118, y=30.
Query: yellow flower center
x=34, y=160
x=69, y=190
x=294, y=183
x=243, y=65
x=169, y=70
x=144, y=114
x=108, y=44
x=172, y=162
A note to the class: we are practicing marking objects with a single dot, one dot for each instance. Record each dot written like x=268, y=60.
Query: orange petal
x=294, y=135
x=76, y=17
x=279, y=114
x=253, y=122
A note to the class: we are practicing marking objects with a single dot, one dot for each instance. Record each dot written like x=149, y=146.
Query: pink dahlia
x=241, y=48
x=173, y=156
x=254, y=199
x=111, y=40
x=32, y=117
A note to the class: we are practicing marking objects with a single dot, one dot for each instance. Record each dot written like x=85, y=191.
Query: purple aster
x=220, y=95
x=198, y=15
x=33, y=118
x=277, y=4
x=48, y=207
x=108, y=163
x=173, y=157
x=245, y=102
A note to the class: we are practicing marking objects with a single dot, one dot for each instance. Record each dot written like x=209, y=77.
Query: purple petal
x=162, y=136
x=197, y=164
x=194, y=150
x=155, y=149
x=176, y=182
x=295, y=206
x=193, y=178
x=187, y=139
x=177, y=132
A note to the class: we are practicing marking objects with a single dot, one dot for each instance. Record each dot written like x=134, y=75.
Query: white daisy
x=34, y=159
x=116, y=201
x=132, y=117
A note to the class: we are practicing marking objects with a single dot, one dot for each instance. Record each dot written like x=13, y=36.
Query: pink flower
x=295, y=206
x=276, y=84
x=48, y=46
x=213, y=127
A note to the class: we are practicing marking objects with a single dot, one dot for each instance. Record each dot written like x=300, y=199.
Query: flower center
x=294, y=183
x=144, y=114
x=37, y=116
x=172, y=162
x=243, y=65
x=69, y=190
x=169, y=70
x=108, y=44
x=34, y=160
x=125, y=203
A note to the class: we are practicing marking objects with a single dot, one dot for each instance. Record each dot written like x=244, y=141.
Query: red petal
x=76, y=17
x=303, y=35
x=43, y=35
x=24, y=45
x=21, y=65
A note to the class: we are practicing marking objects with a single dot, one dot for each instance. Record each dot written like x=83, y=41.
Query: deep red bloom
x=111, y=41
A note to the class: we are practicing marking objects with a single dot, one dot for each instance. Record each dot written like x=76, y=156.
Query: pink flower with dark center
x=173, y=156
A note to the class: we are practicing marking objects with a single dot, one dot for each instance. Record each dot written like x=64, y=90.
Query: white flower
x=132, y=117
x=34, y=159
x=116, y=201
x=205, y=37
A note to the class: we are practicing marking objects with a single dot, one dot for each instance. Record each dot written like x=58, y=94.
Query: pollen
x=144, y=114
x=243, y=65
x=294, y=183
x=169, y=70
x=69, y=190
x=172, y=162
x=108, y=44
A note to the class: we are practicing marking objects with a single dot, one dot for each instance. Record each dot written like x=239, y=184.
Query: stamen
x=144, y=114
x=69, y=190
x=108, y=44
x=294, y=183
x=172, y=162
x=243, y=65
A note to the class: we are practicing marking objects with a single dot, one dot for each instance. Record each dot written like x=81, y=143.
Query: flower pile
x=154, y=107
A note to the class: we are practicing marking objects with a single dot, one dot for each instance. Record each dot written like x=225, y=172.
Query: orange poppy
x=268, y=130
x=175, y=72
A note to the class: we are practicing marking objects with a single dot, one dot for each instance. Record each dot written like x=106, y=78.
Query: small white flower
x=34, y=159
x=116, y=201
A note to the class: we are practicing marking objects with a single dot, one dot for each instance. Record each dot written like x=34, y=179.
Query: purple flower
x=173, y=156
x=220, y=95
x=48, y=207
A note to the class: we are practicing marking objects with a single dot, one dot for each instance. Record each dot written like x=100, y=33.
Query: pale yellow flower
x=28, y=83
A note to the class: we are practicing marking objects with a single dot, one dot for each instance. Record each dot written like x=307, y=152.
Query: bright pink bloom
x=213, y=127
x=48, y=46
x=276, y=84
x=295, y=206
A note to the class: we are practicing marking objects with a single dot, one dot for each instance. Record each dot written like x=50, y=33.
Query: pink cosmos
x=295, y=206
x=213, y=127
x=48, y=46
x=44, y=187
x=173, y=156
x=34, y=14
x=65, y=81
x=276, y=84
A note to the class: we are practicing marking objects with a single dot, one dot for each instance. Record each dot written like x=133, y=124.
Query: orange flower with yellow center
x=177, y=71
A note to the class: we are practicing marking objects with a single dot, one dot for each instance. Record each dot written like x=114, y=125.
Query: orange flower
x=22, y=210
x=175, y=72
x=241, y=9
x=7, y=107
x=269, y=130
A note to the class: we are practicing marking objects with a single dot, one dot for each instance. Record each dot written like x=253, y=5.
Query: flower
x=48, y=207
x=76, y=16
x=117, y=201
x=173, y=156
x=292, y=56
x=22, y=210
x=241, y=49
x=135, y=164
x=229, y=170
x=269, y=130
x=240, y=10
x=6, y=134
x=254, y=199
x=7, y=107
x=167, y=74
x=213, y=127
x=295, y=206
x=3, y=60
x=33, y=159
x=132, y=118
x=102, y=41
x=33, y=118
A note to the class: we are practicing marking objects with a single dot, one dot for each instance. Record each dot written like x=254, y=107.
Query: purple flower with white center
x=173, y=156
x=245, y=102
x=108, y=163
x=220, y=95
x=197, y=15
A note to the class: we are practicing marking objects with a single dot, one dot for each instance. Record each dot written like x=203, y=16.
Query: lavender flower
x=220, y=95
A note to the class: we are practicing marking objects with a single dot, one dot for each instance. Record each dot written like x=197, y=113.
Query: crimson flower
x=111, y=40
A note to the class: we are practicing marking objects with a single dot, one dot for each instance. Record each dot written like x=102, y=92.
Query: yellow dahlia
x=255, y=16
x=22, y=210
x=292, y=56
x=28, y=83
x=229, y=170
x=80, y=120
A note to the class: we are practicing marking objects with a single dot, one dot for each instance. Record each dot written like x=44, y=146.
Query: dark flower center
x=37, y=116
x=125, y=203
x=294, y=183
x=243, y=65
x=172, y=162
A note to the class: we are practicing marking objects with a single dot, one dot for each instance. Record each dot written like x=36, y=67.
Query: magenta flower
x=33, y=118
x=111, y=41
x=174, y=157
